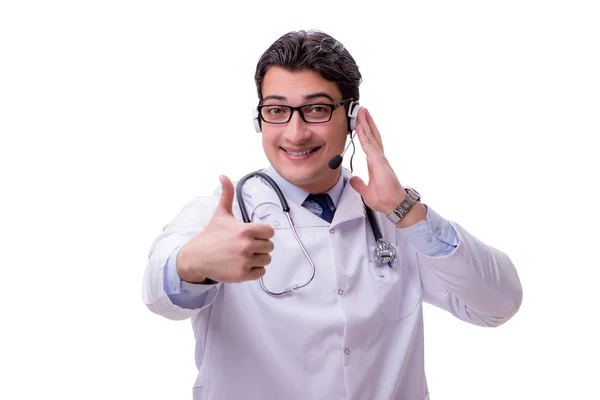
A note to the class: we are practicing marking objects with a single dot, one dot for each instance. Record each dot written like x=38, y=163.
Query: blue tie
x=325, y=203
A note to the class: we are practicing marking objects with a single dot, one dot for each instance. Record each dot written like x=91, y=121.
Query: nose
x=296, y=130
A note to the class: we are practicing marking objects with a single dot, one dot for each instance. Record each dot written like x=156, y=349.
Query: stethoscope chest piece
x=385, y=253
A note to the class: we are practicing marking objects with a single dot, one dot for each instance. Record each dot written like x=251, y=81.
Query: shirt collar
x=298, y=195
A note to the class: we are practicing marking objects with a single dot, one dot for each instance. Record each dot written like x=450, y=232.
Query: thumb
x=359, y=185
x=226, y=201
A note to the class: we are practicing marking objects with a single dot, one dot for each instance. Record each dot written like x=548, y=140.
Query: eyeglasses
x=310, y=113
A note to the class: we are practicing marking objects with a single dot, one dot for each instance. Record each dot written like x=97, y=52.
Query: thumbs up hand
x=227, y=250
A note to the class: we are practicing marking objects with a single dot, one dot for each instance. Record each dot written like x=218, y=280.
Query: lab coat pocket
x=198, y=389
x=197, y=393
x=398, y=292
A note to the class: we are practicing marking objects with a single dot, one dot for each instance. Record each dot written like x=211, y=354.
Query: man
x=352, y=329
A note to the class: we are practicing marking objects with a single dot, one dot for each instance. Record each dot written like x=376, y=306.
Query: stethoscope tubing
x=384, y=252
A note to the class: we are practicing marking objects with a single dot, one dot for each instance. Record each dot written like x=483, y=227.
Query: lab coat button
x=347, y=351
x=332, y=231
x=276, y=223
x=341, y=292
x=428, y=238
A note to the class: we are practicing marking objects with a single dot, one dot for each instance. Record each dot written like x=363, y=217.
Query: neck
x=324, y=185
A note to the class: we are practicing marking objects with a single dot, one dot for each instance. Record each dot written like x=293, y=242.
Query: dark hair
x=315, y=51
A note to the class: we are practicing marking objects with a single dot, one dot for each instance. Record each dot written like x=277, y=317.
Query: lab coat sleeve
x=433, y=237
x=188, y=223
x=181, y=293
x=476, y=282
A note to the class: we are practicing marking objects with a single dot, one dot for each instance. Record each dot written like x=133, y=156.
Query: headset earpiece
x=353, y=115
x=256, y=119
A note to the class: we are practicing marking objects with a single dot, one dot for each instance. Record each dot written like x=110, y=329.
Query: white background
x=115, y=114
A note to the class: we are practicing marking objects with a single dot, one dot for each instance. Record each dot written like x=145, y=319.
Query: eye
x=317, y=110
x=275, y=111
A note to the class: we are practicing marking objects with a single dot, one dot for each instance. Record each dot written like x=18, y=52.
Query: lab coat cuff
x=442, y=228
x=173, y=284
x=433, y=237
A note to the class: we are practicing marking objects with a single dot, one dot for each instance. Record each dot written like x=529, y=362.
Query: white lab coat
x=355, y=332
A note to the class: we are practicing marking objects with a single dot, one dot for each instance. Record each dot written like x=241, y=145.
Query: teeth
x=301, y=153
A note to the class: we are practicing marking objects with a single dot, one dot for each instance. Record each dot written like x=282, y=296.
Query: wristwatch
x=412, y=196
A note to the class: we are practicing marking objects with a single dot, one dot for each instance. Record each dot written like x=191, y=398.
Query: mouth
x=300, y=154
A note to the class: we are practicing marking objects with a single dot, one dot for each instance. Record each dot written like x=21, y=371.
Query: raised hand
x=384, y=191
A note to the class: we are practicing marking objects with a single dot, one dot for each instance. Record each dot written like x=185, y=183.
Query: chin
x=315, y=180
x=300, y=177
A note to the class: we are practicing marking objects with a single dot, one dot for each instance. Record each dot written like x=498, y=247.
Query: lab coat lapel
x=350, y=206
x=260, y=200
x=257, y=195
x=263, y=205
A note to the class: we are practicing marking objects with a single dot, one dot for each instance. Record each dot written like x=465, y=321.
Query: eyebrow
x=307, y=97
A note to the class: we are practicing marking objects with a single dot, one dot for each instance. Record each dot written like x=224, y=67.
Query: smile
x=301, y=153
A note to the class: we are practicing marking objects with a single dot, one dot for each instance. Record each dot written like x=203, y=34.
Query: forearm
x=184, y=262
x=163, y=291
x=184, y=294
x=476, y=282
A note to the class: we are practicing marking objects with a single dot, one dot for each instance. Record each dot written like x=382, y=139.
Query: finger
x=367, y=129
x=359, y=185
x=256, y=273
x=259, y=231
x=367, y=148
x=261, y=246
x=260, y=260
x=374, y=129
x=226, y=201
x=366, y=145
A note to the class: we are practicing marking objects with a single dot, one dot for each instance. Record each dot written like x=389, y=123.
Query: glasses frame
x=299, y=109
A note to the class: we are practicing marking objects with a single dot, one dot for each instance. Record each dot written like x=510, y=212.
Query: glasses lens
x=317, y=112
x=275, y=113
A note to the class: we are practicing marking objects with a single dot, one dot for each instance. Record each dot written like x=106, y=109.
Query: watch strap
x=412, y=196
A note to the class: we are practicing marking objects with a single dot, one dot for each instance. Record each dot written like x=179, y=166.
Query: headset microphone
x=335, y=162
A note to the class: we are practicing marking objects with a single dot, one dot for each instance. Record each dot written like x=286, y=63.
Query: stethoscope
x=385, y=253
